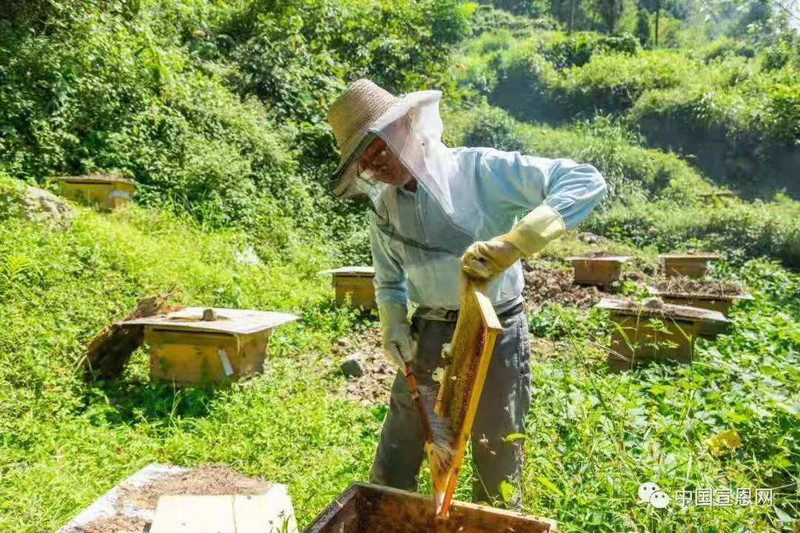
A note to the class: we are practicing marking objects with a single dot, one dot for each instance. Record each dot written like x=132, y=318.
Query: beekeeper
x=436, y=211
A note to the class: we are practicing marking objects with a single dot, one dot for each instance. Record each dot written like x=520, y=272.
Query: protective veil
x=412, y=130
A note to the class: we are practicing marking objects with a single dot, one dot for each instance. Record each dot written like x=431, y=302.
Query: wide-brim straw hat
x=357, y=110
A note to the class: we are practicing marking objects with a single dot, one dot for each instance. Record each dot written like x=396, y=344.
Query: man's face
x=379, y=164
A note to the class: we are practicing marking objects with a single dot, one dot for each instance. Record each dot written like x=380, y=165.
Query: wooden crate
x=689, y=265
x=721, y=304
x=365, y=508
x=354, y=286
x=667, y=333
x=186, y=349
x=601, y=271
x=107, y=192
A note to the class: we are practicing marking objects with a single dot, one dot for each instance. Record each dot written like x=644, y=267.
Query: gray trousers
x=501, y=411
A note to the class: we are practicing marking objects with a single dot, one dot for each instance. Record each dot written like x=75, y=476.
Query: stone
x=40, y=205
x=590, y=238
x=352, y=367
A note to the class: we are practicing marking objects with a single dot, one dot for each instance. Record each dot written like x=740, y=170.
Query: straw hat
x=351, y=116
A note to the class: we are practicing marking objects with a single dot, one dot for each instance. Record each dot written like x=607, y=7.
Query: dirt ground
x=372, y=388
x=546, y=283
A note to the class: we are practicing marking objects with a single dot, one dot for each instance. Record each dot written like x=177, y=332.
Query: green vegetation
x=217, y=109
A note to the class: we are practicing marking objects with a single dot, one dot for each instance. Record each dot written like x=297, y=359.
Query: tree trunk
x=658, y=15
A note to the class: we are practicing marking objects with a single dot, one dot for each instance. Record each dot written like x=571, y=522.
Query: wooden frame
x=365, y=508
x=471, y=352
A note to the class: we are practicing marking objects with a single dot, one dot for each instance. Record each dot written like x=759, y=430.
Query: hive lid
x=234, y=321
x=606, y=258
x=97, y=178
x=662, y=311
x=352, y=271
x=655, y=291
x=703, y=255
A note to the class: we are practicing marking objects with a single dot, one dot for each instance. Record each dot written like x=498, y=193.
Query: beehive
x=354, y=286
x=200, y=346
x=601, y=271
x=107, y=192
x=712, y=302
x=367, y=508
x=664, y=332
x=689, y=265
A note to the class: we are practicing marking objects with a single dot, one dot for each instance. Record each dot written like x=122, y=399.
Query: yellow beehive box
x=354, y=285
x=602, y=270
x=660, y=332
x=209, y=346
x=107, y=192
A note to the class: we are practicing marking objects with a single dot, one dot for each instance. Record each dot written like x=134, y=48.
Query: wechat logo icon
x=651, y=493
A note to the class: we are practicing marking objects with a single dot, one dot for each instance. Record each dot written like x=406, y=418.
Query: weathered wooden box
x=354, y=286
x=225, y=346
x=712, y=302
x=365, y=508
x=689, y=265
x=665, y=332
x=107, y=192
x=601, y=270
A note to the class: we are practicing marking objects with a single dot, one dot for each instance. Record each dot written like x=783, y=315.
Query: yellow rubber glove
x=396, y=334
x=487, y=259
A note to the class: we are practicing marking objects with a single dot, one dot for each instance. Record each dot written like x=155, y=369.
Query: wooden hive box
x=601, y=271
x=189, y=348
x=643, y=333
x=712, y=302
x=365, y=508
x=107, y=192
x=689, y=265
x=354, y=286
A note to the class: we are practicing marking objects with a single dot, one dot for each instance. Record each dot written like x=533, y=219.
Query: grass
x=63, y=443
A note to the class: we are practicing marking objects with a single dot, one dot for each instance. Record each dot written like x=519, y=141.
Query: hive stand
x=644, y=334
x=689, y=265
x=602, y=271
x=354, y=286
x=107, y=192
x=208, y=346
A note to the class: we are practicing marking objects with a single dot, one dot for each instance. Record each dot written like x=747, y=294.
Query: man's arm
x=390, y=279
x=553, y=195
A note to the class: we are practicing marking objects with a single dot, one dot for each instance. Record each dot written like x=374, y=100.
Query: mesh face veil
x=412, y=131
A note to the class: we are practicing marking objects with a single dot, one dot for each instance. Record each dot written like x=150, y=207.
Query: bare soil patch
x=545, y=283
x=211, y=480
x=115, y=524
x=374, y=385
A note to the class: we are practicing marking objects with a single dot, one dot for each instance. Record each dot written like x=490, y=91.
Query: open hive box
x=354, y=286
x=712, y=295
x=689, y=265
x=197, y=345
x=655, y=331
x=107, y=192
x=598, y=270
x=367, y=508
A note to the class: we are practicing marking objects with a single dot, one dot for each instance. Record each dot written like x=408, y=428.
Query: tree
x=643, y=29
x=610, y=12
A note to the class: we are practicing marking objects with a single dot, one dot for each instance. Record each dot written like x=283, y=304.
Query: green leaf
x=515, y=436
x=507, y=491
x=549, y=485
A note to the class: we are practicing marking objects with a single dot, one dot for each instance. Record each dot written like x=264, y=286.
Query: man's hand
x=487, y=259
x=396, y=334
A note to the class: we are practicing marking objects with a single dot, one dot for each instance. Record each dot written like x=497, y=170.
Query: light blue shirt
x=505, y=186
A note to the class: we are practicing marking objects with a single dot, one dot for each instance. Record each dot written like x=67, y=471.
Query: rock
x=590, y=238
x=351, y=367
x=40, y=205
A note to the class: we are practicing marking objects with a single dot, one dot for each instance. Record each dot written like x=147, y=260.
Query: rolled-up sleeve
x=520, y=183
x=390, y=279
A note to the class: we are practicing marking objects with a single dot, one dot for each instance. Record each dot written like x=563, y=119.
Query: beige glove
x=487, y=259
x=396, y=334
